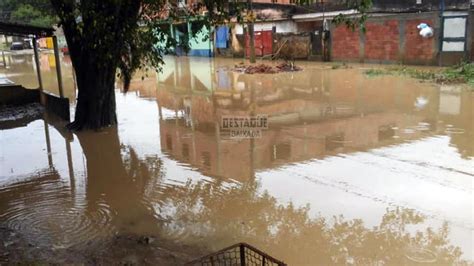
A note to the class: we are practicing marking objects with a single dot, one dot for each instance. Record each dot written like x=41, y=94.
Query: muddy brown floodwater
x=352, y=170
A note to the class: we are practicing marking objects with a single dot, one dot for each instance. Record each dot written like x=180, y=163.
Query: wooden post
x=58, y=66
x=218, y=146
x=70, y=166
x=244, y=29
x=172, y=30
x=274, y=41
x=6, y=40
x=251, y=33
x=190, y=35
x=38, y=70
x=48, y=143
x=4, y=59
x=160, y=112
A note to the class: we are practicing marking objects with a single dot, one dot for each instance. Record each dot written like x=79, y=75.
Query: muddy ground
x=120, y=250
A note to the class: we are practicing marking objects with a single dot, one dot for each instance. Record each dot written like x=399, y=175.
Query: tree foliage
x=362, y=7
x=32, y=12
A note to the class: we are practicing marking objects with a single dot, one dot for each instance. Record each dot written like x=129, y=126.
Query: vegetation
x=342, y=65
x=461, y=73
x=357, y=22
x=32, y=12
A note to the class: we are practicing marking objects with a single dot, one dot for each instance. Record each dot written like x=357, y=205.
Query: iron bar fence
x=241, y=254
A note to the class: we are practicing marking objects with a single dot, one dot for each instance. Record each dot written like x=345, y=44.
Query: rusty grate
x=241, y=254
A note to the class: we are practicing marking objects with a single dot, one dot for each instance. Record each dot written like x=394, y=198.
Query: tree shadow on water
x=205, y=216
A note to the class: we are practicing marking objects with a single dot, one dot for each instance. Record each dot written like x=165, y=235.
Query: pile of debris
x=266, y=69
x=260, y=69
x=288, y=67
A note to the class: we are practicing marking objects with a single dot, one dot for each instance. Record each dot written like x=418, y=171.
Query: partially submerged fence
x=241, y=254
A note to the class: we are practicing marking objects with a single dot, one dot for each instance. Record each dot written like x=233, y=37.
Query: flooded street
x=351, y=170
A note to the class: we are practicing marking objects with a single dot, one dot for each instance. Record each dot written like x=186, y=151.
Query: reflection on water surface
x=351, y=169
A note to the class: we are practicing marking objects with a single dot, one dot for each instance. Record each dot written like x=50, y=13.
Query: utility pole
x=250, y=19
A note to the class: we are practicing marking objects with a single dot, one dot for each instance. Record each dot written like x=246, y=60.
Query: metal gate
x=263, y=43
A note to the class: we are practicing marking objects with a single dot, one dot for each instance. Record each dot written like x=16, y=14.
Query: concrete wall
x=284, y=26
x=238, y=45
x=201, y=45
x=17, y=95
x=386, y=6
x=388, y=39
x=56, y=105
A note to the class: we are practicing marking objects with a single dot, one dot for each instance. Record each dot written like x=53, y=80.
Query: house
x=391, y=34
x=285, y=30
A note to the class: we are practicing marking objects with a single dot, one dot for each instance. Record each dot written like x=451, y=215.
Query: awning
x=321, y=15
x=14, y=29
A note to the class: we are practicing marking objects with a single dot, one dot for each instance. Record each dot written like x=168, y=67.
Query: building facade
x=289, y=31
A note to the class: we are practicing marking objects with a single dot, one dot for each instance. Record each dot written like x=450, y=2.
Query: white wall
x=281, y=26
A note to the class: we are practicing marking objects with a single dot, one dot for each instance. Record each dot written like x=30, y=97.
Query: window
x=454, y=34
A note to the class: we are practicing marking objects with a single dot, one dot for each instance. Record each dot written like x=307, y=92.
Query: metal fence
x=239, y=254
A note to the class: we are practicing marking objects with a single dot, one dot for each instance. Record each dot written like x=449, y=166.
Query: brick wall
x=382, y=40
x=385, y=41
x=345, y=43
x=417, y=48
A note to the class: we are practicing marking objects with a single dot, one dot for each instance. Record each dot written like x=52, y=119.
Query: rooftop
x=14, y=29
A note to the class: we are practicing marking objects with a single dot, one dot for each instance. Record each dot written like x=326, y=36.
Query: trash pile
x=425, y=30
x=288, y=67
x=260, y=69
x=266, y=69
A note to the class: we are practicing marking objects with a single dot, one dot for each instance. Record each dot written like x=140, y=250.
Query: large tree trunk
x=96, y=97
x=100, y=36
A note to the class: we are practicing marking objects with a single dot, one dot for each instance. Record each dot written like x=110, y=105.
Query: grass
x=463, y=71
x=458, y=74
x=342, y=65
x=376, y=72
